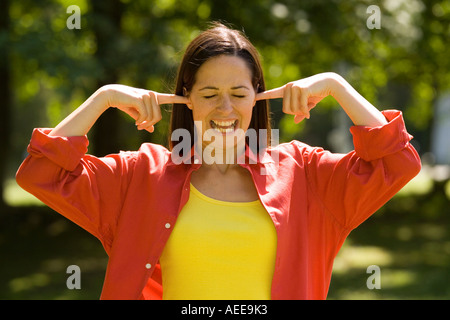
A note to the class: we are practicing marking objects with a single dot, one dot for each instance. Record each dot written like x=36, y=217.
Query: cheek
x=245, y=107
x=201, y=108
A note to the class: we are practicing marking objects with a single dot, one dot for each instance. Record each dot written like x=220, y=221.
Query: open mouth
x=224, y=126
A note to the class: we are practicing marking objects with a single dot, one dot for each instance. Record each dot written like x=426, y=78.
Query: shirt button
x=148, y=266
x=167, y=225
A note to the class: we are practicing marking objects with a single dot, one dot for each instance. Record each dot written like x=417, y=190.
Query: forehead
x=223, y=70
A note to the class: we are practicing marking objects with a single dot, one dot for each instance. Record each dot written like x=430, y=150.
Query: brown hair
x=218, y=40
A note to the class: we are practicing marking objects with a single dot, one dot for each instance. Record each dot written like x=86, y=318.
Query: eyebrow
x=214, y=88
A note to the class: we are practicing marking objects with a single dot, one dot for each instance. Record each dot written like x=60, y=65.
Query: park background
x=48, y=68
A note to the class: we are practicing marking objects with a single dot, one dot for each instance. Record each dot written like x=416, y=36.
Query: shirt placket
x=169, y=222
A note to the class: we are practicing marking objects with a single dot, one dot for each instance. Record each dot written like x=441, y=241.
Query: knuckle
x=142, y=106
x=153, y=97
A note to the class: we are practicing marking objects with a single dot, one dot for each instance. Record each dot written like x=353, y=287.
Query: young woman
x=242, y=221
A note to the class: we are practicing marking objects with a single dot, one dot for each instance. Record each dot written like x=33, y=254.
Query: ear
x=186, y=94
x=256, y=93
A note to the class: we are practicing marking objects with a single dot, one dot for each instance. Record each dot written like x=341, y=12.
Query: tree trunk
x=106, y=24
x=5, y=93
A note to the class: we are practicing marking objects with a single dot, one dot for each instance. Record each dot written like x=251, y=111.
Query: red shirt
x=130, y=201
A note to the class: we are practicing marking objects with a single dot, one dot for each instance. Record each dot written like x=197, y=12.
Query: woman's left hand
x=300, y=96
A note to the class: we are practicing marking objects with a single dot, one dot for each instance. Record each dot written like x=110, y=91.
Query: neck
x=222, y=168
x=223, y=157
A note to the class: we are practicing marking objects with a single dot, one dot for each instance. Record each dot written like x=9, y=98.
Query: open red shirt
x=130, y=201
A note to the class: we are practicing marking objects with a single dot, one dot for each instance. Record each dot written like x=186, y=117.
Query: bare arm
x=361, y=111
x=80, y=121
x=299, y=97
x=142, y=105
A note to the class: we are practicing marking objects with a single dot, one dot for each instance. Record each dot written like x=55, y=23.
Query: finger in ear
x=187, y=95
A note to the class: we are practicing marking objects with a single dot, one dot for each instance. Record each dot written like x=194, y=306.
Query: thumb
x=298, y=118
x=304, y=105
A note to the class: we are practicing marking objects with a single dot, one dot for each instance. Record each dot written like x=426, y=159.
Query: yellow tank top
x=219, y=250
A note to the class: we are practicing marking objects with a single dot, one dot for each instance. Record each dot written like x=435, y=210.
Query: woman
x=237, y=220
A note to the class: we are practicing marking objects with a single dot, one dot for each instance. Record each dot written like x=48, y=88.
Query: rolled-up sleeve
x=85, y=189
x=65, y=152
x=353, y=186
x=378, y=142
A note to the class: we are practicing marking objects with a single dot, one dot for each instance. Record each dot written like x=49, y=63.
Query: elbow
x=416, y=164
x=417, y=167
x=411, y=163
x=402, y=166
x=32, y=175
x=24, y=177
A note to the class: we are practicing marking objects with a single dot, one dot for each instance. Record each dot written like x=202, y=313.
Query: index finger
x=271, y=94
x=166, y=98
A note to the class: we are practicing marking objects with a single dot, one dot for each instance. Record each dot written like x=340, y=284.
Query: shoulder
x=294, y=149
x=303, y=155
x=148, y=154
x=153, y=152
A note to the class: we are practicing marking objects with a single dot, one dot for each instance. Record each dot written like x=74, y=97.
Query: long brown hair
x=218, y=40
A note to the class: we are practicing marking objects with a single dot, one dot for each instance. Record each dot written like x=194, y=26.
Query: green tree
x=53, y=69
x=5, y=93
x=106, y=20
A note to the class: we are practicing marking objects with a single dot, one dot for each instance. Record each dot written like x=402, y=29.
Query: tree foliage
x=53, y=69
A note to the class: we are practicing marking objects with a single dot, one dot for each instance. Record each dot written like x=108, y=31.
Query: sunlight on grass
x=32, y=281
x=345, y=294
x=421, y=184
x=360, y=257
x=392, y=279
x=15, y=196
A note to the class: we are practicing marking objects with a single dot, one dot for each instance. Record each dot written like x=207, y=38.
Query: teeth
x=224, y=123
x=224, y=130
x=223, y=126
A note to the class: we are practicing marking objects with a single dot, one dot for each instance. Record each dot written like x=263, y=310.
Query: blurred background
x=395, y=53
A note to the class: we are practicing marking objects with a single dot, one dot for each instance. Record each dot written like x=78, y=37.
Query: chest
x=235, y=186
x=227, y=249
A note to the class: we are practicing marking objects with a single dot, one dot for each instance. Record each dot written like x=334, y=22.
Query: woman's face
x=223, y=96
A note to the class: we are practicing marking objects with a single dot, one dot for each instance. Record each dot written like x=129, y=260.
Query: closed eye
x=234, y=95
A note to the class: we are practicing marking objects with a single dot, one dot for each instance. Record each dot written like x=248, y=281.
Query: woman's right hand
x=142, y=105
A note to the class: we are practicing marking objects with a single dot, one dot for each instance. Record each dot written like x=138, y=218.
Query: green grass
x=37, y=245
x=15, y=196
x=413, y=256
x=408, y=239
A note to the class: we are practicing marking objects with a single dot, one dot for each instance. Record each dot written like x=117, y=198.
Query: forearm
x=80, y=121
x=360, y=111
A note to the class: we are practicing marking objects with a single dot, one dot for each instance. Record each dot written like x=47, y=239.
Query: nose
x=225, y=106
